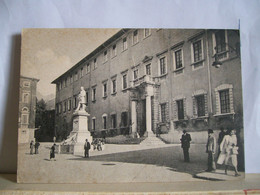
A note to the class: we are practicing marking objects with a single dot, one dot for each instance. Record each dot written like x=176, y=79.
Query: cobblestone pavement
x=117, y=163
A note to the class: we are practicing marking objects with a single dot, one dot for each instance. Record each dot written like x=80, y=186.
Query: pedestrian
x=37, y=144
x=52, y=152
x=221, y=135
x=229, y=148
x=31, y=147
x=185, y=144
x=87, y=148
x=211, y=149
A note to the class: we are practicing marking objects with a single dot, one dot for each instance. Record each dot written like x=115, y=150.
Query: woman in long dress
x=229, y=148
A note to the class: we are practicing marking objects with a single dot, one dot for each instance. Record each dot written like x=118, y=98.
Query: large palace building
x=148, y=80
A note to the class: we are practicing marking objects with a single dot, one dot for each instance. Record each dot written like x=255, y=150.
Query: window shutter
x=195, y=110
x=206, y=104
x=217, y=102
x=184, y=108
x=167, y=112
x=175, y=111
x=231, y=100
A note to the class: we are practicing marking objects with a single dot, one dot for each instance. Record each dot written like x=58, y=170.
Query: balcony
x=146, y=79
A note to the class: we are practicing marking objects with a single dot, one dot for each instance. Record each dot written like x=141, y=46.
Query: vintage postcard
x=130, y=105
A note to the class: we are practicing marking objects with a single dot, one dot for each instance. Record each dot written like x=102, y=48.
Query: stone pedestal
x=80, y=131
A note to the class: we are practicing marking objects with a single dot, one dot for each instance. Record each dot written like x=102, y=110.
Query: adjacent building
x=145, y=80
x=27, y=109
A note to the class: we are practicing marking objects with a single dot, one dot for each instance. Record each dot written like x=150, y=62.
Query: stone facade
x=142, y=79
x=27, y=109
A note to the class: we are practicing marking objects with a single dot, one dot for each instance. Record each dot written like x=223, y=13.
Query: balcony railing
x=143, y=79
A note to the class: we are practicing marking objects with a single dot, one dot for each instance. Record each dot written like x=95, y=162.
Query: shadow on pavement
x=167, y=157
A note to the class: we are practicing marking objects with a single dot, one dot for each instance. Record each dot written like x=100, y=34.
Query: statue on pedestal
x=81, y=100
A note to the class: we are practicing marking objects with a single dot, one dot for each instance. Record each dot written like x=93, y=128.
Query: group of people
x=34, y=146
x=228, y=149
x=98, y=144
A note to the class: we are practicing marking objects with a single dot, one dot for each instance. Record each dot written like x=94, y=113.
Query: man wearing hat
x=185, y=144
x=87, y=148
x=211, y=149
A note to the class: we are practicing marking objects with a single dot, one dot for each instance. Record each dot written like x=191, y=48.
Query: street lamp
x=217, y=63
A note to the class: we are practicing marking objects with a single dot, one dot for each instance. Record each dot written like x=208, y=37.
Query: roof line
x=93, y=53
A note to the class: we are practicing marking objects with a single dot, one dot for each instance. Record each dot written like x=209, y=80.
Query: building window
x=124, y=119
x=163, y=112
x=75, y=102
x=87, y=98
x=220, y=44
x=66, y=81
x=178, y=59
x=105, y=56
x=200, y=100
x=25, y=116
x=135, y=74
x=114, y=51
x=147, y=32
x=26, y=84
x=104, y=89
x=94, y=123
x=69, y=104
x=81, y=72
x=113, y=121
x=94, y=94
x=88, y=68
x=25, y=98
x=25, y=119
x=148, y=69
x=163, y=66
x=71, y=79
x=124, y=44
x=180, y=109
x=95, y=64
x=113, y=86
x=64, y=106
x=60, y=108
x=76, y=76
x=104, y=117
x=135, y=37
x=124, y=81
x=197, y=54
x=224, y=99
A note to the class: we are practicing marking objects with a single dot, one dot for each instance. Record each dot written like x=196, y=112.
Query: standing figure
x=229, y=147
x=87, y=148
x=221, y=135
x=52, y=152
x=31, y=147
x=82, y=100
x=211, y=149
x=185, y=144
x=37, y=144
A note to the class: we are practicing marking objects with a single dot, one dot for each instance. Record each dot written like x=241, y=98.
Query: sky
x=48, y=53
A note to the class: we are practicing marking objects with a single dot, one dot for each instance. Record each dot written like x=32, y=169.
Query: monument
x=80, y=132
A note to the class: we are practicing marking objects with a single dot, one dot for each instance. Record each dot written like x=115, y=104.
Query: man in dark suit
x=211, y=149
x=87, y=148
x=185, y=144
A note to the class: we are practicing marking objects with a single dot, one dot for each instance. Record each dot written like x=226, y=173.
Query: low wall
x=200, y=137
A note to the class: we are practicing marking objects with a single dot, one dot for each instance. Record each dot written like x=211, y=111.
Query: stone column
x=149, y=115
x=133, y=117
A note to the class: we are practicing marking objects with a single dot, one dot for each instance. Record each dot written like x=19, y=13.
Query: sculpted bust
x=82, y=100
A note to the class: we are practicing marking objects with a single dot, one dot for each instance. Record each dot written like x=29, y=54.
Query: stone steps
x=152, y=140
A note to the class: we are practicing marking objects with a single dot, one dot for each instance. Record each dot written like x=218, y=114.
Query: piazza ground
x=117, y=163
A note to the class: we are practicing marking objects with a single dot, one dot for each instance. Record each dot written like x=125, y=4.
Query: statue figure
x=82, y=100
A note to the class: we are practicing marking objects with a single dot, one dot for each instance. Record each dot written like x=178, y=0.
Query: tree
x=44, y=120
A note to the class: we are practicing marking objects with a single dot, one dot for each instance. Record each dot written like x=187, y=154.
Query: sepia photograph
x=130, y=105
